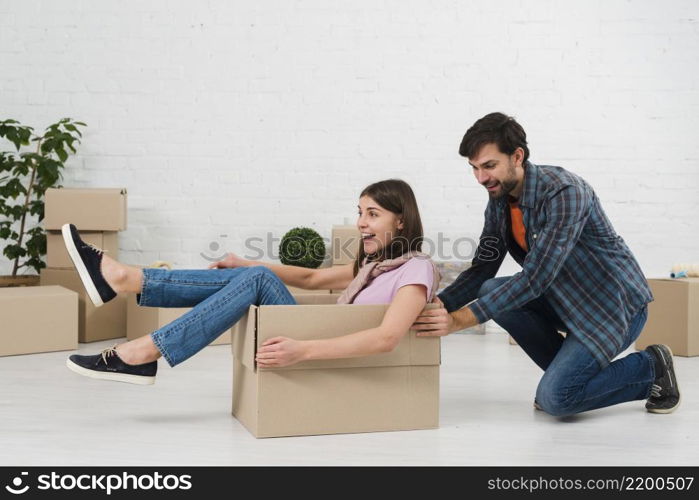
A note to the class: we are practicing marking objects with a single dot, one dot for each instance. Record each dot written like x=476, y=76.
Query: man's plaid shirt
x=575, y=260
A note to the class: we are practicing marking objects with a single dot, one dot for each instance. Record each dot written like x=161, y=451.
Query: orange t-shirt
x=518, y=229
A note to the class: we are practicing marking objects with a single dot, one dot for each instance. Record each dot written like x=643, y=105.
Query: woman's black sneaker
x=87, y=259
x=665, y=393
x=108, y=366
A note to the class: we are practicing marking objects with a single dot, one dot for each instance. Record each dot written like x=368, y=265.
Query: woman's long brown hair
x=395, y=196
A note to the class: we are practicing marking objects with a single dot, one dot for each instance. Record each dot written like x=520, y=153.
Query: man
x=578, y=277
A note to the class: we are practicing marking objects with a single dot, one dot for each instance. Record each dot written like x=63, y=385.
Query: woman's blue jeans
x=573, y=380
x=218, y=298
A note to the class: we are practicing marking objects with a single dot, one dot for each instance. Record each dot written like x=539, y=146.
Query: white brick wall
x=238, y=118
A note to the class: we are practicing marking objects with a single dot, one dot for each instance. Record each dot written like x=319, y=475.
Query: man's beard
x=507, y=185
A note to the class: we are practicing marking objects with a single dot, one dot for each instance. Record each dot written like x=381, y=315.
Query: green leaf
x=14, y=251
x=62, y=154
x=25, y=134
x=36, y=263
x=17, y=211
x=36, y=245
x=4, y=233
x=14, y=188
x=48, y=145
x=11, y=135
x=7, y=160
x=36, y=207
x=20, y=169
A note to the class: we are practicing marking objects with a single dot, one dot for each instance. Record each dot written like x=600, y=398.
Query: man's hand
x=280, y=351
x=434, y=322
x=438, y=322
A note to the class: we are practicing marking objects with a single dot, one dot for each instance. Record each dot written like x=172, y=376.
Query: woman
x=389, y=269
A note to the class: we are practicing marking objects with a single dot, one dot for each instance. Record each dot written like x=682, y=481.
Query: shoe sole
x=116, y=377
x=90, y=287
x=671, y=369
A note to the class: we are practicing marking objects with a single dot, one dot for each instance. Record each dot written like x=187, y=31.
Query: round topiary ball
x=302, y=246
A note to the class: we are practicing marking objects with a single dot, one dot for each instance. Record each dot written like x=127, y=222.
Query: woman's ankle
x=120, y=277
x=137, y=352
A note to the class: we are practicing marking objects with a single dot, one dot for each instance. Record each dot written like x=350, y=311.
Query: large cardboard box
x=94, y=323
x=673, y=317
x=38, y=319
x=89, y=209
x=345, y=244
x=142, y=321
x=398, y=390
x=57, y=255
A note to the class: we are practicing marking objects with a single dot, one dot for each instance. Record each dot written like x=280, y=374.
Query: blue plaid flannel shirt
x=575, y=260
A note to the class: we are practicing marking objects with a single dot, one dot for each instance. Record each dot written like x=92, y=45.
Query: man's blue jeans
x=218, y=297
x=573, y=380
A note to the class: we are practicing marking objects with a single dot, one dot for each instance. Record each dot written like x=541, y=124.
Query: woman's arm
x=335, y=277
x=407, y=304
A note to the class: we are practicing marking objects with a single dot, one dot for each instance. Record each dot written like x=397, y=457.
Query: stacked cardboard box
x=98, y=213
x=673, y=317
x=398, y=390
x=345, y=244
x=38, y=319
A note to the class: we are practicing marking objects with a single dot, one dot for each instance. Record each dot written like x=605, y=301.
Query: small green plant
x=27, y=175
x=302, y=246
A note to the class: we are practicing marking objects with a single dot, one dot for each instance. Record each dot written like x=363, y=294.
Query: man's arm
x=567, y=212
x=486, y=262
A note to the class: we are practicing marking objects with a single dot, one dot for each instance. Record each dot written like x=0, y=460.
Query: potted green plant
x=302, y=246
x=24, y=177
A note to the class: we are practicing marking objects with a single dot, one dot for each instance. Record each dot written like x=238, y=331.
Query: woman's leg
x=208, y=319
x=166, y=288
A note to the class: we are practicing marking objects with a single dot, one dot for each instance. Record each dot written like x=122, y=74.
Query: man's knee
x=556, y=400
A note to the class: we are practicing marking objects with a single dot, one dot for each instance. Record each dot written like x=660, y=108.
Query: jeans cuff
x=158, y=343
x=141, y=298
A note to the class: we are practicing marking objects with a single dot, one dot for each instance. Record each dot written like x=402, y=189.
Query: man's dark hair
x=496, y=128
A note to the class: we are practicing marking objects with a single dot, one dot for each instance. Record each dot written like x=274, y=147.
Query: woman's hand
x=230, y=260
x=280, y=351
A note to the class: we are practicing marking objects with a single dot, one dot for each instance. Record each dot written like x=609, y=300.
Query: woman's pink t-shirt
x=417, y=271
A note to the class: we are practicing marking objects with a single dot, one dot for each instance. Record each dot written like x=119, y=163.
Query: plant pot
x=24, y=280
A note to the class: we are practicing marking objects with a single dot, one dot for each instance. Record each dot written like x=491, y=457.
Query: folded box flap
x=306, y=322
x=243, y=344
x=316, y=298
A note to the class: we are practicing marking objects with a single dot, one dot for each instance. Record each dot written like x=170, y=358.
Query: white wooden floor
x=51, y=416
